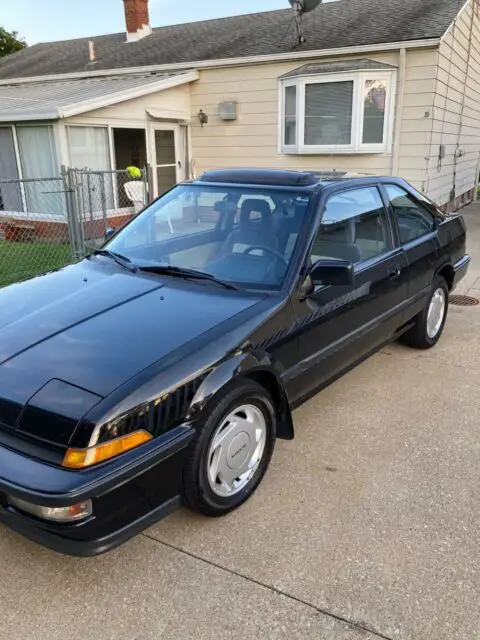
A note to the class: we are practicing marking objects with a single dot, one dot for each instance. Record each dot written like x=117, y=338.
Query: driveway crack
x=351, y=623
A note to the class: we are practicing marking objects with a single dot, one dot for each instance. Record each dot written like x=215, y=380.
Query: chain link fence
x=46, y=223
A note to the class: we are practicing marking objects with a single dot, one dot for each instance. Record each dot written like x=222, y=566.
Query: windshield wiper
x=123, y=261
x=181, y=272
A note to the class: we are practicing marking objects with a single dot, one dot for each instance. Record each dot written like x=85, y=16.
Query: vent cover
x=227, y=110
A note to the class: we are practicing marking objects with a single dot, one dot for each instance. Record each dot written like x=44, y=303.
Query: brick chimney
x=137, y=20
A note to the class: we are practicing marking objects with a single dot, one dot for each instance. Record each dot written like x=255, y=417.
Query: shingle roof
x=56, y=99
x=337, y=24
x=364, y=64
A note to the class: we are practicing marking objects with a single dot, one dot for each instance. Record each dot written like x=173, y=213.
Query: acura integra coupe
x=163, y=367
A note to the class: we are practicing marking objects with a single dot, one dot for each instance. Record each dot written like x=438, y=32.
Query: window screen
x=328, y=113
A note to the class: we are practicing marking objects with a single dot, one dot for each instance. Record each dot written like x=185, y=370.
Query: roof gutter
x=234, y=62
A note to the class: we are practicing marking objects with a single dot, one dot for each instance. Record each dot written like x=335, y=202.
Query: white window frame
x=357, y=145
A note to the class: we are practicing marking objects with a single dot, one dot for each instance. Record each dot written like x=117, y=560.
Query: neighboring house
x=378, y=86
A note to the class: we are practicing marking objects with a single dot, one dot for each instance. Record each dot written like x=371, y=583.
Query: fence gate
x=102, y=200
x=46, y=223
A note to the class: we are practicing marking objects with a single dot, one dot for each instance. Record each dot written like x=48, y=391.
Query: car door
x=338, y=325
x=417, y=234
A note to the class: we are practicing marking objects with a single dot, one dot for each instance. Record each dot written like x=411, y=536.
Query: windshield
x=239, y=235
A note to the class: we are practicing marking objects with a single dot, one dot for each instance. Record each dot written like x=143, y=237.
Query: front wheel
x=231, y=452
x=430, y=323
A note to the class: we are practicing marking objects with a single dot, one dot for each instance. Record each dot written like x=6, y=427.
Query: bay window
x=348, y=112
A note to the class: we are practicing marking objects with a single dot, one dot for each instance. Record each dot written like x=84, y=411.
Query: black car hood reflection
x=95, y=325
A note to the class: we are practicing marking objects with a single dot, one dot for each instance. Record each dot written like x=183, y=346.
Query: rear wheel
x=430, y=323
x=231, y=452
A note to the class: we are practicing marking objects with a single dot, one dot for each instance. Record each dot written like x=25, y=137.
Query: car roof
x=308, y=181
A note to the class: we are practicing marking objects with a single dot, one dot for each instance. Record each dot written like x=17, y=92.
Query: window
x=413, y=219
x=239, y=234
x=38, y=158
x=290, y=115
x=349, y=113
x=354, y=227
x=10, y=192
x=328, y=113
x=89, y=148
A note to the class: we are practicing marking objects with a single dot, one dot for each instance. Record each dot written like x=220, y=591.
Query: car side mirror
x=110, y=232
x=337, y=273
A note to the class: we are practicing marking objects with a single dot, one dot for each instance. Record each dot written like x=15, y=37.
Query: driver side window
x=354, y=227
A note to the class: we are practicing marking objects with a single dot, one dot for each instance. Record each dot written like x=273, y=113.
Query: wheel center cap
x=238, y=450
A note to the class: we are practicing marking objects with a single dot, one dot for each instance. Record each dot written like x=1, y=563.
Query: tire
x=222, y=442
x=424, y=335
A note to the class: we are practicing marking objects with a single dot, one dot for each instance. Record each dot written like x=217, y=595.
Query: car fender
x=255, y=366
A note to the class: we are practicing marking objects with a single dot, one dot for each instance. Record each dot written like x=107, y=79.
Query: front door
x=340, y=324
x=167, y=170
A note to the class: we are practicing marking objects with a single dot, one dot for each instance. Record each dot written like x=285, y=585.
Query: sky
x=47, y=20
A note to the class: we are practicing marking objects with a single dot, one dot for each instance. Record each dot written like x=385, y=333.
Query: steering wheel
x=274, y=252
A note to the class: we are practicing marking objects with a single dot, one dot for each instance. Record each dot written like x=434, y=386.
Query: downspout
x=399, y=111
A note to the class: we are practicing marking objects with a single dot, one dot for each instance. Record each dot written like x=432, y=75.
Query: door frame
x=163, y=126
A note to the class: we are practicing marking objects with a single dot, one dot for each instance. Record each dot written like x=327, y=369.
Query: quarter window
x=413, y=219
x=354, y=227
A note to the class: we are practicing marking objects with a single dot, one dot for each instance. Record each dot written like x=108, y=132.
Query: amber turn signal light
x=81, y=458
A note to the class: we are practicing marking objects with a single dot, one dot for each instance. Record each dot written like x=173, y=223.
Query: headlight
x=74, y=512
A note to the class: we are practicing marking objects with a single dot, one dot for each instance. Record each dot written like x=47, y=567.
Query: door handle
x=394, y=273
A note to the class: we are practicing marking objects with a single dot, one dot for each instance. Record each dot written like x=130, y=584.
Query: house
x=372, y=86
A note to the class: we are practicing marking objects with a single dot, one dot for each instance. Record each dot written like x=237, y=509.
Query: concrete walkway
x=367, y=525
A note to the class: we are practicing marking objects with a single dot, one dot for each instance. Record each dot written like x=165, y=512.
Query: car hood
x=95, y=325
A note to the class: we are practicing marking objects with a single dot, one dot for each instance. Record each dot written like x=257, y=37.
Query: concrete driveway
x=367, y=525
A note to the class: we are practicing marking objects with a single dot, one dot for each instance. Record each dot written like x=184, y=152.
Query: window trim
x=357, y=145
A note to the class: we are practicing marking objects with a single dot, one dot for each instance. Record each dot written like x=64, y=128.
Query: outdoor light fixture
x=202, y=117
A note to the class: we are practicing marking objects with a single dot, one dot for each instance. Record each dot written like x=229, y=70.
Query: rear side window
x=354, y=227
x=413, y=219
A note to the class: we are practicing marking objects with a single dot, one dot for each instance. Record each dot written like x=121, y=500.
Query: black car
x=162, y=368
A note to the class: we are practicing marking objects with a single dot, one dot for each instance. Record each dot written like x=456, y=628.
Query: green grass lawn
x=22, y=260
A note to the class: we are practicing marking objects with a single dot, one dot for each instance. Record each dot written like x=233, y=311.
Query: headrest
x=255, y=205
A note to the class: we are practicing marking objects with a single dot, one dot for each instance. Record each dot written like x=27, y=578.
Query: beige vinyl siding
x=416, y=116
x=176, y=99
x=456, y=119
x=253, y=139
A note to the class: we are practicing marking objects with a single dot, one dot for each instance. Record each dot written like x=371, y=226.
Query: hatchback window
x=240, y=235
x=413, y=219
x=354, y=227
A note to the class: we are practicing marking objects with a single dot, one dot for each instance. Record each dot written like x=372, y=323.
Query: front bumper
x=128, y=494
x=460, y=268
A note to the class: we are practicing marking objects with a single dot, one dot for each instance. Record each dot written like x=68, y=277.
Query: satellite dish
x=304, y=6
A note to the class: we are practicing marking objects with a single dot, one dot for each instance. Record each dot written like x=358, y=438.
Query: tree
x=9, y=42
